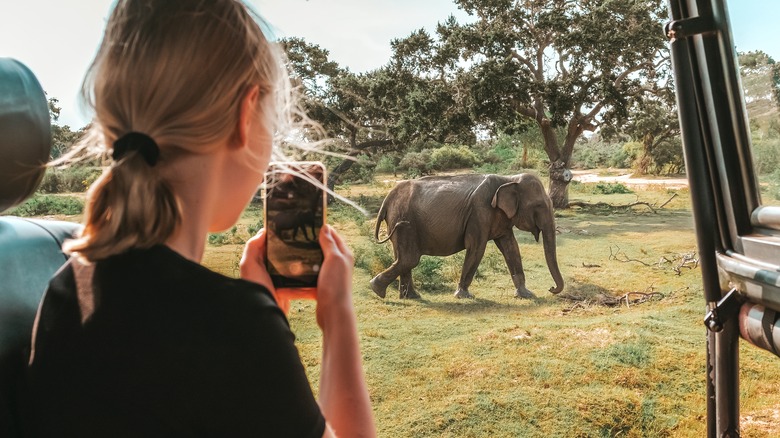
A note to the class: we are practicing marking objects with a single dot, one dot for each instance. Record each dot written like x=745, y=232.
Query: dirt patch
x=627, y=179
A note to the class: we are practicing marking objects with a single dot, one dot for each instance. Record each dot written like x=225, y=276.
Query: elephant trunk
x=550, y=255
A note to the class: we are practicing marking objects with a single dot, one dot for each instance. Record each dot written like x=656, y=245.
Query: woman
x=134, y=337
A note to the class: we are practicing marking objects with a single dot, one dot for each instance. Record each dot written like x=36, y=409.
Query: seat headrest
x=25, y=133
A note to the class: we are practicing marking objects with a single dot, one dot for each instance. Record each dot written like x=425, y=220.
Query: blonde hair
x=175, y=70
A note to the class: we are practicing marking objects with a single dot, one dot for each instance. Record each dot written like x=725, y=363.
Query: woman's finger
x=253, y=268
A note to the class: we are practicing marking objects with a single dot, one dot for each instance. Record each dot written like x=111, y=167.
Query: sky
x=57, y=39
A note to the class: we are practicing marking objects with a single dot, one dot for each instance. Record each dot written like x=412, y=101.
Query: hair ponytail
x=176, y=70
x=129, y=206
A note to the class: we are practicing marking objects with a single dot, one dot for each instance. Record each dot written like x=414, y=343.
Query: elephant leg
x=402, y=266
x=406, y=289
x=511, y=251
x=474, y=255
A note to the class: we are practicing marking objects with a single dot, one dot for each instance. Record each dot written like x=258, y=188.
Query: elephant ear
x=506, y=199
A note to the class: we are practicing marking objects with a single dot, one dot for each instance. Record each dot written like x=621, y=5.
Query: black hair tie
x=136, y=141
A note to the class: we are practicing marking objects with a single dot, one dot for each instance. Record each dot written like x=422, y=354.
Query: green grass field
x=496, y=366
x=575, y=365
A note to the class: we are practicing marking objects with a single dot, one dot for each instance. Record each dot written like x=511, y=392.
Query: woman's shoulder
x=163, y=272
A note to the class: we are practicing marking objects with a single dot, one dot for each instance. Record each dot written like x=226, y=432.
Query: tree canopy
x=565, y=67
x=572, y=64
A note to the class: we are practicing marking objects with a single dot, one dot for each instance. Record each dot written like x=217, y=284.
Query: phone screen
x=294, y=214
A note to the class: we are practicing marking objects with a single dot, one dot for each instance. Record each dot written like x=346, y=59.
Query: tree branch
x=517, y=56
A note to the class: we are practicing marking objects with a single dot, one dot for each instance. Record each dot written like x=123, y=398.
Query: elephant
x=287, y=223
x=294, y=205
x=443, y=215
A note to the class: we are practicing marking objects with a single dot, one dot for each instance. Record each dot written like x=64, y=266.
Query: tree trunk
x=560, y=176
x=525, y=156
x=335, y=175
x=560, y=158
x=645, y=162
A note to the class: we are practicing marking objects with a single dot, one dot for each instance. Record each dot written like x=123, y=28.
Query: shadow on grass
x=462, y=305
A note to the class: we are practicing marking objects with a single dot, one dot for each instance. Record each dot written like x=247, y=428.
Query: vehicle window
x=760, y=76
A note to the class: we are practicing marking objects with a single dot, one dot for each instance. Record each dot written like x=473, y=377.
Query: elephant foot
x=524, y=293
x=378, y=289
x=409, y=294
x=463, y=293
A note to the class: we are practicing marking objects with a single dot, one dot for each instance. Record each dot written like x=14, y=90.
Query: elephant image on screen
x=443, y=215
x=294, y=203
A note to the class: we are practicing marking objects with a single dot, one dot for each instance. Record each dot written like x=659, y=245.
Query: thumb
x=252, y=265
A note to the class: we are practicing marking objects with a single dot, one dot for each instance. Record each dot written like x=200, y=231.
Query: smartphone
x=295, y=205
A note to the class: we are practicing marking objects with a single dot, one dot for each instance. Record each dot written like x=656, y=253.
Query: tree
x=652, y=123
x=558, y=63
x=62, y=138
x=410, y=99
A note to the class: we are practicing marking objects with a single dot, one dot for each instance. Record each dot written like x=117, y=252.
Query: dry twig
x=629, y=298
x=677, y=263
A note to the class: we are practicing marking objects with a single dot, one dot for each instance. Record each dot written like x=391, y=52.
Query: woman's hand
x=252, y=268
x=334, y=285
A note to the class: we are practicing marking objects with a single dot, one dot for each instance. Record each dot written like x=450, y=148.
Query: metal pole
x=727, y=379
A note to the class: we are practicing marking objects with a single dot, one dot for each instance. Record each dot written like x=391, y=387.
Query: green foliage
x=610, y=188
x=416, y=164
x=633, y=152
x=372, y=257
x=773, y=181
x=362, y=171
x=600, y=153
x=508, y=154
x=428, y=274
x=668, y=157
x=69, y=179
x=761, y=82
x=387, y=164
x=62, y=137
x=755, y=59
x=766, y=155
x=47, y=205
x=450, y=157
x=234, y=236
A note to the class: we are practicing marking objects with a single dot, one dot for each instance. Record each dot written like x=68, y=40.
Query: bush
x=511, y=154
x=450, y=157
x=386, y=164
x=416, y=164
x=595, y=154
x=428, y=274
x=372, y=257
x=773, y=181
x=611, y=188
x=69, y=179
x=362, y=171
x=234, y=236
x=766, y=155
x=46, y=205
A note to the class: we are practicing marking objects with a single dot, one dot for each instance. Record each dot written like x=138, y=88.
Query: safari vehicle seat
x=30, y=250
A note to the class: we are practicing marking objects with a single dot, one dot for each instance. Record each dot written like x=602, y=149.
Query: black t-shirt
x=172, y=349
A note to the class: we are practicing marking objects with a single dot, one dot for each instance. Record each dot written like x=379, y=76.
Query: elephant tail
x=382, y=215
x=379, y=218
x=397, y=224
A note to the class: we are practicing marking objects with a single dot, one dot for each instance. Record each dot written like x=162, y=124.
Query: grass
x=495, y=366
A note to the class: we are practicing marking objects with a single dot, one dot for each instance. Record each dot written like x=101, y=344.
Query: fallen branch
x=629, y=298
x=668, y=200
x=604, y=205
x=678, y=263
x=620, y=256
